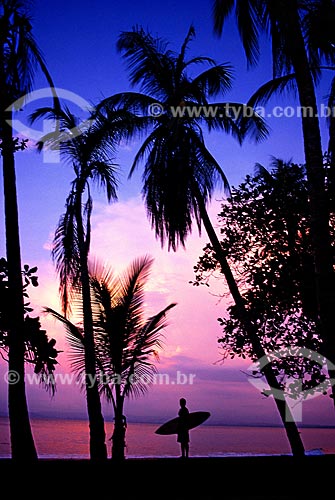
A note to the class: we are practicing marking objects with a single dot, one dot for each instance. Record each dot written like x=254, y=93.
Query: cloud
x=121, y=232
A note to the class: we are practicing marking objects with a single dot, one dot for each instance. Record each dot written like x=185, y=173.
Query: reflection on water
x=69, y=439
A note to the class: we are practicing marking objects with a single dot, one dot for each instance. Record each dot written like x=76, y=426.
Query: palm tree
x=19, y=58
x=89, y=147
x=180, y=174
x=90, y=160
x=126, y=343
x=301, y=38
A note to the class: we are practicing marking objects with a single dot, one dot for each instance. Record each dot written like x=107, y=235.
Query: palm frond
x=21, y=56
x=67, y=119
x=277, y=85
x=66, y=254
x=166, y=186
x=67, y=129
x=132, y=283
x=221, y=11
x=75, y=338
x=263, y=172
x=215, y=80
x=318, y=27
x=247, y=18
x=117, y=306
x=207, y=172
x=149, y=61
x=173, y=161
x=134, y=102
x=144, y=150
x=22, y=60
x=105, y=175
x=180, y=62
x=239, y=120
x=150, y=334
x=138, y=383
x=125, y=342
x=147, y=340
x=102, y=273
x=200, y=60
x=252, y=125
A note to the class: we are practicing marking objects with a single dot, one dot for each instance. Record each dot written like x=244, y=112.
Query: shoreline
x=81, y=458
x=308, y=461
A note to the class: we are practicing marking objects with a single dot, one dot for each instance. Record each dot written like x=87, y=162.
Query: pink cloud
x=120, y=233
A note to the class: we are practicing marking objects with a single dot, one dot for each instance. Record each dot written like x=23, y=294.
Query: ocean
x=57, y=438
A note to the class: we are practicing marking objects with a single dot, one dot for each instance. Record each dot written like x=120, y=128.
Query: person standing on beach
x=183, y=436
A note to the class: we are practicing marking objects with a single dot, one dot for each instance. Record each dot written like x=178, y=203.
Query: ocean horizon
x=58, y=438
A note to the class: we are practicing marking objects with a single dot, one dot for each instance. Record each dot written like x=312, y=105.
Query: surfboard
x=194, y=419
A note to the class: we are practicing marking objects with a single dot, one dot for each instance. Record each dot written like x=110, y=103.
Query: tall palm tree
x=72, y=242
x=302, y=38
x=126, y=342
x=180, y=174
x=19, y=58
x=89, y=146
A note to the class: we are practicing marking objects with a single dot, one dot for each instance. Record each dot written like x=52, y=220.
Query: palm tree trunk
x=22, y=442
x=98, y=448
x=119, y=429
x=320, y=233
x=290, y=426
x=331, y=166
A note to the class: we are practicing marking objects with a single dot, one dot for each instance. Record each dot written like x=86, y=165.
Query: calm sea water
x=69, y=439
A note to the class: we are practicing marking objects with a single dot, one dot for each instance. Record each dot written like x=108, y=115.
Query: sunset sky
x=78, y=39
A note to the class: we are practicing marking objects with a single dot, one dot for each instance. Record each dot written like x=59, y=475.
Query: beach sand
x=231, y=478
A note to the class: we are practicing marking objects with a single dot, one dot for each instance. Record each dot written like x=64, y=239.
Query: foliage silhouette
x=301, y=40
x=39, y=350
x=180, y=174
x=265, y=231
x=90, y=149
x=126, y=343
x=20, y=57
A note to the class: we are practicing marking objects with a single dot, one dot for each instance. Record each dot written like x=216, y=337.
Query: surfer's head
x=182, y=402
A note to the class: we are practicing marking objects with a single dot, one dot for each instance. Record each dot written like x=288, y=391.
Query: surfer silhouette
x=183, y=436
x=182, y=424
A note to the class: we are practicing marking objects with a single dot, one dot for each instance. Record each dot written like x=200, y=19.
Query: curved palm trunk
x=323, y=254
x=290, y=426
x=22, y=442
x=331, y=165
x=98, y=449
x=118, y=445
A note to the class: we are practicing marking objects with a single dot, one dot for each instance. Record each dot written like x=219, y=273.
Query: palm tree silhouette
x=19, y=58
x=126, y=343
x=302, y=38
x=90, y=158
x=90, y=147
x=180, y=174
